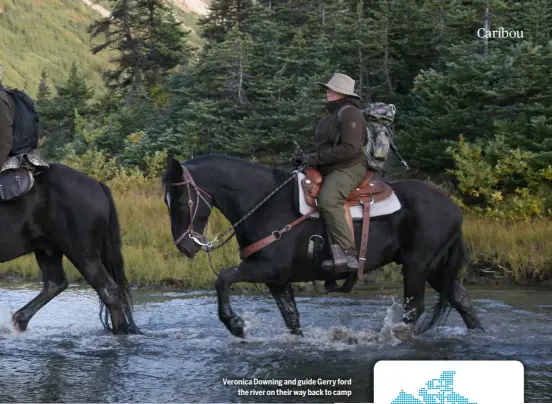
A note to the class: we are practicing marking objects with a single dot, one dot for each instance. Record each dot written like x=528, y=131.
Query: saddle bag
x=15, y=183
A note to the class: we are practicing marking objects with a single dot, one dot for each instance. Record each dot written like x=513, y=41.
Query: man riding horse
x=340, y=158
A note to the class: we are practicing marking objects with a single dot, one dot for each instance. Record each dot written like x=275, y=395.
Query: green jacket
x=7, y=114
x=348, y=151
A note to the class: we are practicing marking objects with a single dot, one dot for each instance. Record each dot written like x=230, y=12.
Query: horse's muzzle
x=185, y=249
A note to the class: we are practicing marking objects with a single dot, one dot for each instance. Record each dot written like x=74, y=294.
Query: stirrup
x=340, y=262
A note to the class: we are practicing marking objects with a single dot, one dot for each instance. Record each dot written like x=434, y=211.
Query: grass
x=518, y=251
x=150, y=257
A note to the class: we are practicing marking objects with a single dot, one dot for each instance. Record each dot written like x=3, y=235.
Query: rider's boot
x=343, y=261
x=352, y=261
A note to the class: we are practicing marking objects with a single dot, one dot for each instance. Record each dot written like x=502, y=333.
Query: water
x=65, y=355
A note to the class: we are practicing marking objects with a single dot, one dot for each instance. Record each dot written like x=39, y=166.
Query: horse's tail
x=112, y=259
x=451, y=264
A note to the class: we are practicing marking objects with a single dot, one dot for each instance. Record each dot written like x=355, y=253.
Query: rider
x=7, y=113
x=342, y=164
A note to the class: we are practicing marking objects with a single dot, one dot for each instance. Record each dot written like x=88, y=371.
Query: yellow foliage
x=547, y=173
x=135, y=137
x=497, y=196
x=504, y=180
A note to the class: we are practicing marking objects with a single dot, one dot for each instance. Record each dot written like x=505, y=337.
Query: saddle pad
x=380, y=208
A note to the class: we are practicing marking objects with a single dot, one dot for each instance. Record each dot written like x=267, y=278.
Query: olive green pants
x=335, y=189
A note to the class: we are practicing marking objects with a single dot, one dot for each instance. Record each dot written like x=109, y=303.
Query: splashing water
x=65, y=355
x=6, y=325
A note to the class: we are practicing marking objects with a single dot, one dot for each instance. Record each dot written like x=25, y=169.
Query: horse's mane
x=280, y=175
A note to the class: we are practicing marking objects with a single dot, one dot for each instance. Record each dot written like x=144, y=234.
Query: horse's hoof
x=236, y=326
x=298, y=333
x=19, y=323
x=478, y=328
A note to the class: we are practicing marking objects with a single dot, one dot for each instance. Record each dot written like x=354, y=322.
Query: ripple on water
x=66, y=356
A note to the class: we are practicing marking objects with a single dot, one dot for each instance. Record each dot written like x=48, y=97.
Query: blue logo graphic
x=436, y=391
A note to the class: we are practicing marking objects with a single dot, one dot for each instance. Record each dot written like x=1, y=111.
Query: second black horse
x=67, y=213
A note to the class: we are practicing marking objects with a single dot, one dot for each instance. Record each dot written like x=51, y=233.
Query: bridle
x=199, y=238
x=200, y=193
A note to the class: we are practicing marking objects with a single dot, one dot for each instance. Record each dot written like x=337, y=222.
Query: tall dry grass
x=150, y=256
x=519, y=250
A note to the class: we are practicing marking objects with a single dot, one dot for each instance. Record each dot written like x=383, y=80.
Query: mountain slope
x=200, y=7
x=52, y=34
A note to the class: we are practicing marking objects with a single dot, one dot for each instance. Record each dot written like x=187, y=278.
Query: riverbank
x=519, y=253
x=376, y=282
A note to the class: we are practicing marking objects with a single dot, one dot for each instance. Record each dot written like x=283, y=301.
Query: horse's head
x=189, y=207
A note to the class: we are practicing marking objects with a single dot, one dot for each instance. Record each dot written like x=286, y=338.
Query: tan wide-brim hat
x=342, y=84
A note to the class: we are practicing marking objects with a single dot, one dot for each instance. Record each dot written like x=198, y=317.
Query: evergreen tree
x=43, y=89
x=223, y=16
x=253, y=89
x=73, y=97
x=527, y=95
x=148, y=40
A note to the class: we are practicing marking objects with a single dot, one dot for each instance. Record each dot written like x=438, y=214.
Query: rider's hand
x=297, y=162
x=311, y=159
x=297, y=159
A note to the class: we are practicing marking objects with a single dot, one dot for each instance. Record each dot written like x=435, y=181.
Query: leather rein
x=202, y=240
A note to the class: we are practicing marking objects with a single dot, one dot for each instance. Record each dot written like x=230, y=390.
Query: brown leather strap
x=364, y=240
x=275, y=236
x=351, y=280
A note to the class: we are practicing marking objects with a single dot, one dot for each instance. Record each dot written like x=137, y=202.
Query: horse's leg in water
x=459, y=300
x=283, y=294
x=96, y=275
x=254, y=272
x=54, y=282
x=414, y=293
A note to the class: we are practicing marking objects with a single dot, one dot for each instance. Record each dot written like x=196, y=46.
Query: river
x=65, y=355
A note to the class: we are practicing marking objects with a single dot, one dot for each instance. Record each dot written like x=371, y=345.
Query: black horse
x=424, y=236
x=67, y=213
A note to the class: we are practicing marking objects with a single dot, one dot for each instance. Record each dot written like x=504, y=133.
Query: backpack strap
x=339, y=116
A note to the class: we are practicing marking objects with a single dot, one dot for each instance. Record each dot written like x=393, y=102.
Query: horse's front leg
x=253, y=272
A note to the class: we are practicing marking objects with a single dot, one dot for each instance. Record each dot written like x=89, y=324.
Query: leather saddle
x=367, y=190
x=15, y=183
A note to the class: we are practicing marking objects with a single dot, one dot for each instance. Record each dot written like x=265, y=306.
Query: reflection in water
x=51, y=379
x=65, y=356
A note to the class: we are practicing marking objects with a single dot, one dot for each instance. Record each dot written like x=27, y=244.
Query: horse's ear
x=174, y=168
x=169, y=160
